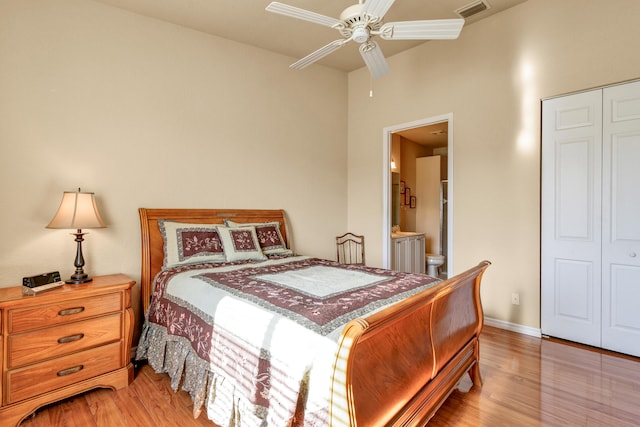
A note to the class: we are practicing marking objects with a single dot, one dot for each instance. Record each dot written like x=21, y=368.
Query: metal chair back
x=350, y=249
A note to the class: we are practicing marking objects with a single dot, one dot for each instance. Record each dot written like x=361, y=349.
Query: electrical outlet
x=515, y=298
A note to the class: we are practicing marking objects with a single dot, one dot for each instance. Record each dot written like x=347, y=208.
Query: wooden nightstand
x=63, y=342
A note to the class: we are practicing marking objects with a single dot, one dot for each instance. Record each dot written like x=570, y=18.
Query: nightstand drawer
x=45, y=316
x=43, y=377
x=32, y=347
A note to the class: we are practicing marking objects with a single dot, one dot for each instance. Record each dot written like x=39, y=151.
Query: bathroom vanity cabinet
x=408, y=252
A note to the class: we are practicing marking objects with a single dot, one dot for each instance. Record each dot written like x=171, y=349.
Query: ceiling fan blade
x=374, y=58
x=296, y=12
x=318, y=54
x=438, y=29
x=377, y=7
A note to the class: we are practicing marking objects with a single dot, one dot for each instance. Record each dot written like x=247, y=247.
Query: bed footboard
x=408, y=358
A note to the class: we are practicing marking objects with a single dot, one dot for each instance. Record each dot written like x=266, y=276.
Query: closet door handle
x=70, y=338
x=69, y=311
x=632, y=254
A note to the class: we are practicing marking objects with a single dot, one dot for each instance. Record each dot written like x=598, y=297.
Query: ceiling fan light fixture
x=360, y=34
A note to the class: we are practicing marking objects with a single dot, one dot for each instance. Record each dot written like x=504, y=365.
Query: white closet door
x=621, y=219
x=571, y=217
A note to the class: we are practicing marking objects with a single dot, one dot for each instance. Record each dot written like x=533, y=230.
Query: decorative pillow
x=190, y=243
x=269, y=236
x=241, y=244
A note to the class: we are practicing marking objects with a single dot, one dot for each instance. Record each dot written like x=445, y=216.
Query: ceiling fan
x=360, y=22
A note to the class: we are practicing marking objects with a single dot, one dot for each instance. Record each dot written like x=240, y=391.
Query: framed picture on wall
x=407, y=196
x=413, y=201
x=401, y=187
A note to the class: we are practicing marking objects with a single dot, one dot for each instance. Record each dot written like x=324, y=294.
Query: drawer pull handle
x=68, y=311
x=70, y=371
x=70, y=338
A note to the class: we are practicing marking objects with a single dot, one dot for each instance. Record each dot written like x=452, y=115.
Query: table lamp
x=77, y=211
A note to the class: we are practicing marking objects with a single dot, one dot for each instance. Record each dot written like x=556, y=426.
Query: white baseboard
x=526, y=330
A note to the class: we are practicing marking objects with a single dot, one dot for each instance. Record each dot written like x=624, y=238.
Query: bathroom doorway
x=430, y=138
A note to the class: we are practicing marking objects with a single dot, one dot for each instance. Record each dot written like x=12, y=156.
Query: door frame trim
x=386, y=184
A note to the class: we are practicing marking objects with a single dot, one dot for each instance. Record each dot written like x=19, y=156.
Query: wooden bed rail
x=409, y=357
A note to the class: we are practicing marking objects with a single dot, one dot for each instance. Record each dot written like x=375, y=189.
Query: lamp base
x=78, y=279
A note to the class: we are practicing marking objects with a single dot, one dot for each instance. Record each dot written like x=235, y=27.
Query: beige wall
x=149, y=114
x=492, y=79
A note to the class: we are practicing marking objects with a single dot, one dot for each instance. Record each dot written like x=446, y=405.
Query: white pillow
x=269, y=236
x=241, y=244
x=190, y=243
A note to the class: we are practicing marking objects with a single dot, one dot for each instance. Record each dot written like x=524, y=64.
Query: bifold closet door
x=590, y=290
x=571, y=220
x=621, y=219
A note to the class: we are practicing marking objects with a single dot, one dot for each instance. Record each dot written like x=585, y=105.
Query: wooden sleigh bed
x=392, y=368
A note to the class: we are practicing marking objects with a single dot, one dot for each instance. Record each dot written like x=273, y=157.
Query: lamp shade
x=77, y=210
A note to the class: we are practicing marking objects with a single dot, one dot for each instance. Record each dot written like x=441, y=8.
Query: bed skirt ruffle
x=174, y=356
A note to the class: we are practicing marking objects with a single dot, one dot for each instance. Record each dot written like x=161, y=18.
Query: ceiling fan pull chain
x=370, y=86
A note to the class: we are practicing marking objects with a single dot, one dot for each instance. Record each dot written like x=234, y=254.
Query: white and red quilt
x=255, y=341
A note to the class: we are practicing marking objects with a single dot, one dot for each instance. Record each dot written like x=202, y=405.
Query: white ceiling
x=246, y=21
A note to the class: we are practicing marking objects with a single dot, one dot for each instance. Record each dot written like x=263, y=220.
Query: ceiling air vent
x=473, y=8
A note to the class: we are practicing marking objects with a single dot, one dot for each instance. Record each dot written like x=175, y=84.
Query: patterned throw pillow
x=241, y=244
x=269, y=236
x=190, y=243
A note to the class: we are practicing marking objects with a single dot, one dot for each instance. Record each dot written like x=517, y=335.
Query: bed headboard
x=153, y=244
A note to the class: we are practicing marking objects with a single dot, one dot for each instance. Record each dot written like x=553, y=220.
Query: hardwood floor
x=544, y=382
x=527, y=382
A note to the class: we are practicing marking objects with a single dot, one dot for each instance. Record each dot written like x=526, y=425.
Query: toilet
x=434, y=262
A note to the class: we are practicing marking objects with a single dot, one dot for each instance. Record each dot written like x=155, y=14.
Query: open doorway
x=424, y=140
